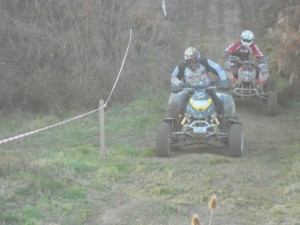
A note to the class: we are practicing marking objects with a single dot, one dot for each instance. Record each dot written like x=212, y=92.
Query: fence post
x=102, y=129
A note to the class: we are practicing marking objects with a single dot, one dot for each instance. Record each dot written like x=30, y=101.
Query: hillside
x=56, y=177
x=61, y=56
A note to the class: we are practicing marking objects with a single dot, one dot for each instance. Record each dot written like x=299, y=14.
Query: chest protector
x=196, y=77
x=243, y=53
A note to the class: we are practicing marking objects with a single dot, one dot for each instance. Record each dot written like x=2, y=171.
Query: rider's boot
x=220, y=111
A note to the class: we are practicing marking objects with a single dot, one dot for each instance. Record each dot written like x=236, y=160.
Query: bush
x=283, y=45
x=62, y=55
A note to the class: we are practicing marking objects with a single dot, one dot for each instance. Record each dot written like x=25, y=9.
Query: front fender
x=169, y=120
x=234, y=121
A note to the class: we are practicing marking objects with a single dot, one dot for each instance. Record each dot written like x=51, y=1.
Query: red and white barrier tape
x=45, y=128
x=74, y=118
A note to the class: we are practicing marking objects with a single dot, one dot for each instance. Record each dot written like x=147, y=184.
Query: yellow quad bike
x=201, y=125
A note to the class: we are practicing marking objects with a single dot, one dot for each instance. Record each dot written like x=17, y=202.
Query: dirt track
x=250, y=182
x=212, y=25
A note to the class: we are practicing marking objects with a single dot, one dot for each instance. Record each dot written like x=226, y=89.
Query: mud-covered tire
x=162, y=140
x=235, y=141
x=270, y=85
x=272, y=103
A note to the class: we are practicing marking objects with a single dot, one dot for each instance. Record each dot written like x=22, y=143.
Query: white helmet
x=191, y=54
x=247, y=38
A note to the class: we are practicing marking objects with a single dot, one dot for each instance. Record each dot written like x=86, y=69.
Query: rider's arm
x=256, y=52
x=214, y=68
x=176, y=77
x=231, y=49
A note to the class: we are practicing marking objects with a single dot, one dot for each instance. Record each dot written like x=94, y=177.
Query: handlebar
x=212, y=85
x=246, y=62
x=249, y=62
x=190, y=91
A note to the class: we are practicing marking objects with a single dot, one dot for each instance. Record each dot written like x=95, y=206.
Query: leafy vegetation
x=283, y=43
x=61, y=56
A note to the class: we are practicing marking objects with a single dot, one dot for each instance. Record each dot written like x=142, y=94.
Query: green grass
x=57, y=176
x=56, y=168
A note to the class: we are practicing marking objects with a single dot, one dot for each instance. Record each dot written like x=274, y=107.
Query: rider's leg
x=235, y=69
x=257, y=72
x=183, y=103
x=259, y=82
x=217, y=102
x=177, y=104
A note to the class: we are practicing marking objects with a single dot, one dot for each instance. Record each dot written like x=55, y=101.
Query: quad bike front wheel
x=235, y=140
x=162, y=139
x=272, y=103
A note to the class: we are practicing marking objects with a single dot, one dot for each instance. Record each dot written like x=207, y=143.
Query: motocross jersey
x=237, y=49
x=198, y=76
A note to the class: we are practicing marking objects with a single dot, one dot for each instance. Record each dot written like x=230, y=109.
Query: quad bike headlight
x=247, y=74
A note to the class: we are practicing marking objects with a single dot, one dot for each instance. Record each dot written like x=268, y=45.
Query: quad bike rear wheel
x=270, y=85
x=235, y=139
x=272, y=103
x=270, y=89
x=163, y=139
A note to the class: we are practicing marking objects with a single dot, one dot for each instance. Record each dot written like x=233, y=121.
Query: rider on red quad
x=242, y=49
x=194, y=66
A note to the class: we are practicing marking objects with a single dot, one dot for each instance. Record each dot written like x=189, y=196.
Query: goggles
x=246, y=40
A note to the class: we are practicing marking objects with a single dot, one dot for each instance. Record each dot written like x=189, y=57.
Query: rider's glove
x=258, y=59
x=224, y=84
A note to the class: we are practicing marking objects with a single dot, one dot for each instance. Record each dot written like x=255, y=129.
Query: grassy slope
x=39, y=173
x=56, y=176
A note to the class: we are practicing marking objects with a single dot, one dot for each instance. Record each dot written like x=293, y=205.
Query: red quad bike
x=246, y=87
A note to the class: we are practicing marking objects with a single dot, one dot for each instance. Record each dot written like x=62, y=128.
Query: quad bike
x=200, y=125
x=246, y=87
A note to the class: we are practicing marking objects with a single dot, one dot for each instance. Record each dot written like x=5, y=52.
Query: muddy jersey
x=237, y=49
x=199, y=76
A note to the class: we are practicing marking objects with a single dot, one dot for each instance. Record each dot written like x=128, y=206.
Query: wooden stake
x=102, y=129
